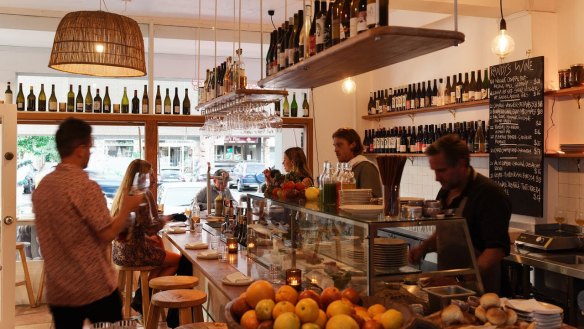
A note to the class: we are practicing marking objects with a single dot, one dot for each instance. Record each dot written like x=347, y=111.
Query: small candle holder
x=294, y=278
x=231, y=245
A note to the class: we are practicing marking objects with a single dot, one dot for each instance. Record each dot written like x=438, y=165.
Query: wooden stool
x=20, y=247
x=41, y=285
x=125, y=283
x=164, y=283
x=183, y=299
x=204, y=325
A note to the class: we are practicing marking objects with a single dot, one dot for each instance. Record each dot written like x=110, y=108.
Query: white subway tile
x=564, y=177
x=563, y=190
x=574, y=191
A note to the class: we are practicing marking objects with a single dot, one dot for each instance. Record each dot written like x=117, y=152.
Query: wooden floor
x=40, y=318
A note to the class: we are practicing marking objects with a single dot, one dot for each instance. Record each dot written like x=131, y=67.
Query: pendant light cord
x=501, y=7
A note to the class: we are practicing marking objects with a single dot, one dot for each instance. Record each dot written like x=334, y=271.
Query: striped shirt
x=69, y=211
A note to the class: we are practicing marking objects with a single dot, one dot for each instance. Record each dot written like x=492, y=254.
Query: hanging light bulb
x=348, y=86
x=502, y=45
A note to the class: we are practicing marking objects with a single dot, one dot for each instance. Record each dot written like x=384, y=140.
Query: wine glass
x=560, y=218
x=140, y=184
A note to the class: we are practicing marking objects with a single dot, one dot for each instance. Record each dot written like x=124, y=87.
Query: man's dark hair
x=72, y=133
x=453, y=148
x=351, y=136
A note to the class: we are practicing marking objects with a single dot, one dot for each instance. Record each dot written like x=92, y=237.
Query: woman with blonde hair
x=140, y=245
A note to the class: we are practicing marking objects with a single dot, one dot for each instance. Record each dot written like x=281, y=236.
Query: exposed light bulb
x=503, y=44
x=99, y=47
x=348, y=86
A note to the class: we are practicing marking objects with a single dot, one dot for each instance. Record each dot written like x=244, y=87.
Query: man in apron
x=480, y=201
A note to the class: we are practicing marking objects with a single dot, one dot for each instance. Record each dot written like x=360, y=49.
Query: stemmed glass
x=560, y=218
x=140, y=184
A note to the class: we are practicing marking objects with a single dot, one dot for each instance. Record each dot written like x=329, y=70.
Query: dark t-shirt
x=487, y=212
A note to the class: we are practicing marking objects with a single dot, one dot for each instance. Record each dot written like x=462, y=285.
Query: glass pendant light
x=503, y=44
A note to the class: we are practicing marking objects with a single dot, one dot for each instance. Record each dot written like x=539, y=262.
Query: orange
x=282, y=307
x=362, y=312
x=321, y=321
x=287, y=293
x=339, y=307
x=264, y=309
x=257, y=291
x=375, y=309
x=307, y=310
x=392, y=319
x=287, y=320
x=249, y=320
x=310, y=326
x=342, y=321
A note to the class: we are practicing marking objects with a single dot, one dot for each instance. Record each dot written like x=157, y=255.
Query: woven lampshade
x=98, y=43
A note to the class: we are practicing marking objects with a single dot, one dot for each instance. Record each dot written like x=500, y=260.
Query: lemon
x=311, y=193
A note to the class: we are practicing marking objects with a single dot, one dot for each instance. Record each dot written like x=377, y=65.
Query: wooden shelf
x=226, y=103
x=419, y=155
x=573, y=91
x=565, y=155
x=370, y=50
x=449, y=107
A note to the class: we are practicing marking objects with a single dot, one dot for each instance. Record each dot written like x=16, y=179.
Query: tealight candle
x=232, y=245
x=294, y=278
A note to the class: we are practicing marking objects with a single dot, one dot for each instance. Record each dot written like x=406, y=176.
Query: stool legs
x=185, y=316
x=198, y=314
x=41, y=286
x=26, y=281
x=153, y=316
x=127, y=292
x=145, y=293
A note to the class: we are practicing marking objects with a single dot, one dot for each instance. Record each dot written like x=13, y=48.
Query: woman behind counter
x=139, y=245
x=294, y=163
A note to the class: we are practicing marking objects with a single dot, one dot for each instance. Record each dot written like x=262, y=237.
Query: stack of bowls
x=432, y=208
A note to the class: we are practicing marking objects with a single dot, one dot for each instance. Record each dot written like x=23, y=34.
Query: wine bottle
x=354, y=19
x=447, y=91
x=135, y=103
x=305, y=107
x=158, y=99
x=88, y=101
x=345, y=16
x=428, y=95
x=320, y=26
x=186, y=105
x=372, y=13
x=107, y=102
x=286, y=107
x=312, y=32
x=277, y=108
x=290, y=52
x=8, y=94
x=79, y=100
x=70, y=100
x=145, y=101
x=479, y=140
x=53, y=100
x=125, y=102
x=167, y=105
x=440, y=97
x=97, y=103
x=383, y=12
x=31, y=101
x=297, y=51
x=465, y=88
x=294, y=107
x=479, y=86
x=371, y=104
x=42, y=104
x=336, y=21
x=362, y=16
x=422, y=95
x=328, y=26
x=472, y=86
x=453, y=98
x=302, y=42
x=485, y=87
x=287, y=31
x=459, y=86
x=176, y=102
x=434, y=94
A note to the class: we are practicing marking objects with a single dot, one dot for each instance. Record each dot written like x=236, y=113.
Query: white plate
x=362, y=209
x=544, y=308
x=176, y=230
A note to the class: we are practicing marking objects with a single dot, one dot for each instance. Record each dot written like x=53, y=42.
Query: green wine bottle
x=286, y=107
x=305, y=107
x=167, y=109
x=88, y=101
x=42, y=104
x=70, y=100
x=186, y=103
x=79, y=101
x=53, y=100
x=158, y=102
x=107, y=102
x=176, y=102
x=125, y=102
x=294, y=107
x=20, y=98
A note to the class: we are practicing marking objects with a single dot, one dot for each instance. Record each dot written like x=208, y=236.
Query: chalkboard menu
x=516, y=133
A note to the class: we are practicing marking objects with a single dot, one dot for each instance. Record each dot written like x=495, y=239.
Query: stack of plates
x=572, y=148
x=355, y=254
x=364, y=210
x=355, y=196
x=389, y=254
x=545, y=315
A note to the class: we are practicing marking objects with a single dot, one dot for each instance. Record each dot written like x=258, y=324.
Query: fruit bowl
x=231, y=322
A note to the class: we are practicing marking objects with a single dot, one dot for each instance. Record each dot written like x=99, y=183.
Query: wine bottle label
x=434, y=100
x=484, y=94
x=291, y=56
x=107, y=108
x=177, y=109
x=422, y=102
x=53, y=106
x=319, y=32
x=79, y=106
x=96, y=106
x=452, y=97
x=353, y=26
x=362, y=21
x=465, y=97
x=145, y=108
x=458, y=92
x=20, y=105
x=158, y=108
x=372, y=14
x=471, y=95
x=372, y=110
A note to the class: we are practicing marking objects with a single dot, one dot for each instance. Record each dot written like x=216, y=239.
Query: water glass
x=275, y=273
x=223, y=254
x=198, y=227
x=214, y=241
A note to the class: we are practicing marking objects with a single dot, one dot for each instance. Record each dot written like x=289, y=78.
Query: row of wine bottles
x=291, y=109
x=227, y=77
x=423, y=95
x=305, y=34
x=411, y=140
x=90, y=104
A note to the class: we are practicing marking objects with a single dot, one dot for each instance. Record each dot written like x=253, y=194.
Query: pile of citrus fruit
x=262, y=307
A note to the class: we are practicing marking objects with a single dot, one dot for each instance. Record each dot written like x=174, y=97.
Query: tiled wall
x=418, y=179
x=570, y=188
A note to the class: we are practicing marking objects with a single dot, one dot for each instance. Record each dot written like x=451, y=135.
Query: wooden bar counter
x=212, y=272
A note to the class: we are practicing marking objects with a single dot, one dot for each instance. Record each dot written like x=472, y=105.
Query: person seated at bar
x=478, y=199
x=219, y=186
x=348, y=148
x=140, y=245
x=294, y=163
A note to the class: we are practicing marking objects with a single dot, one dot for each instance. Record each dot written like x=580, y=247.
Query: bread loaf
x=496, y=316
x=452, y=314
x=490, y=300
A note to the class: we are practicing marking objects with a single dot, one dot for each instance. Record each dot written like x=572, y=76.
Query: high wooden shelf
x=370, y=50
x=449, y=107
x=241, y=97
x=418, y=155
x=565, y=155
x=573, y=91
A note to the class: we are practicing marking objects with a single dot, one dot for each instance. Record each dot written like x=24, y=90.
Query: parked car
x=170, y=175
x=248, y=175
x=178, y=196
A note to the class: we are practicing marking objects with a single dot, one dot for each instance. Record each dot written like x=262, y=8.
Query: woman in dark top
x=294, y=163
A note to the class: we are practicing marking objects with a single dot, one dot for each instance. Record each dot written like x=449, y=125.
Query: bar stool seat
x=125, y=283
x=186, y=300
x=163, y=283
x=204, y=325
x=27, y=281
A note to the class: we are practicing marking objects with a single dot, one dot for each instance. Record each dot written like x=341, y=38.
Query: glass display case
x=356, y=248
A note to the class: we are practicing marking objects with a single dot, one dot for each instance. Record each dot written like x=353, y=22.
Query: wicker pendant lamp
x=98, y=43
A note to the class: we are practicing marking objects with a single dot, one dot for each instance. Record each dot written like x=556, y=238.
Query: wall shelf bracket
x=412, y=116
x=453, y=112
